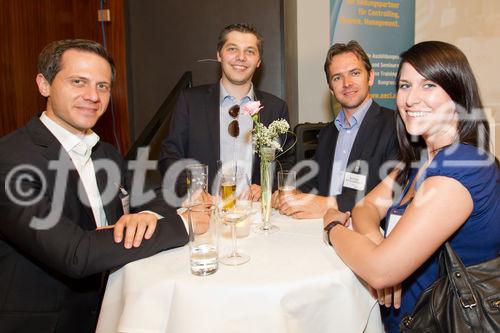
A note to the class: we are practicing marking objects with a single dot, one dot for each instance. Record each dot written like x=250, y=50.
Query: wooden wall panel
x=26, y=27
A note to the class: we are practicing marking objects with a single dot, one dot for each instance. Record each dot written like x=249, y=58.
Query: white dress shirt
x=79, y=149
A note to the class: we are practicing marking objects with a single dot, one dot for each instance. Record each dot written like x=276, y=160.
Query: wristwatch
x=329, y=226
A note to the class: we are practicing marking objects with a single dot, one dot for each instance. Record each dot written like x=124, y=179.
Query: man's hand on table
x=303, y=205
x=133, y=228
x=200, y=219
x=256, y=192
x=199, y=197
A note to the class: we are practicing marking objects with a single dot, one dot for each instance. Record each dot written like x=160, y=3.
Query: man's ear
x=43, y=85
x=371, y=78
x=218, y=57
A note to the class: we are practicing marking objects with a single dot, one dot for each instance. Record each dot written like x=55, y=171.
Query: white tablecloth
x=293, y=283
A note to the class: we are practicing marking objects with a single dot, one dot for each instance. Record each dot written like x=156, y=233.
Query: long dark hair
x=446, y=65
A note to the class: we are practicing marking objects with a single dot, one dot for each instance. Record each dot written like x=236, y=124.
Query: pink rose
x=251, y=108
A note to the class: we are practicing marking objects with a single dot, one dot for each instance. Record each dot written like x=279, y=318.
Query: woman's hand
x=388, y=296
x=333, y=214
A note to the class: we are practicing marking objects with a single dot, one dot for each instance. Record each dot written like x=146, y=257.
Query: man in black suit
x=353, y=148
x=206, y=123
x=63, y=198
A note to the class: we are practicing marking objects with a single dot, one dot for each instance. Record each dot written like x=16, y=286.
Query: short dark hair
x=49, y=60
x=447, y=66
x=341, y=48
x=240, y=27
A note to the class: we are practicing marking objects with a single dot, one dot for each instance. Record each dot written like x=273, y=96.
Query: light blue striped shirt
x=347, y=134
x=236, y=149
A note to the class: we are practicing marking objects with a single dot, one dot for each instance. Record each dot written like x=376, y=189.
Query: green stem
x=265, y=183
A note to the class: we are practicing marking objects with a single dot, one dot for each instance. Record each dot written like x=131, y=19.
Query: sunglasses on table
x=234, y=127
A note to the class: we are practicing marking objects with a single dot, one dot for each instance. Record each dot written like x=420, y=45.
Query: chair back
x=307, y=140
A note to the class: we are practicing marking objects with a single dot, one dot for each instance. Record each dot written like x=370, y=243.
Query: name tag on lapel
x=355, y=181
x=125, y=199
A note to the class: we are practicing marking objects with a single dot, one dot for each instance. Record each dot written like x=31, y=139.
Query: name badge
x=393, y=220
x=355, y=181
x=124, y=198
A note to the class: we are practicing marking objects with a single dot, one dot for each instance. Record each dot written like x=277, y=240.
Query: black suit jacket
x=375, y=143
x=51, y=280
x=194, y=131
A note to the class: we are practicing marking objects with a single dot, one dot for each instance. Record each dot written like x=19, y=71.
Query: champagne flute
x=286, y=183
x=228, y=193
x=234, y=207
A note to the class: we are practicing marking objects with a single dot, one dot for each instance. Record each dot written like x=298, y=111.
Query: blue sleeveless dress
x=477, y=240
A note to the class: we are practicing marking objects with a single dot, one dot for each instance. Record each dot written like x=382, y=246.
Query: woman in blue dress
x=449, y=186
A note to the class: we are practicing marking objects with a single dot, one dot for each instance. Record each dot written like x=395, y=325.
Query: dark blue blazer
x=375, y=143
x=194, y=130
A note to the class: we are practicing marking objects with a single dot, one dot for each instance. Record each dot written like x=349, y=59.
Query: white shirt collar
x=67, y=139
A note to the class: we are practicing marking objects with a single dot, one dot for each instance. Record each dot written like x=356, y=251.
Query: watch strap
x=329, y=227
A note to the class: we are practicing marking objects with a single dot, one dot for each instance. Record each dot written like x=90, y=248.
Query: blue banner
x=384, y=29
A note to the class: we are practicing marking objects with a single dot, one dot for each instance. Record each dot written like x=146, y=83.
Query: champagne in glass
x=286, y=183
x=228, y=194
x=235, y=209
x=242, y=226
x=286, y=190
x=234, y=215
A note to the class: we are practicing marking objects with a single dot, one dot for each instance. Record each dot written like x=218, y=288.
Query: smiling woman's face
x=425, y=108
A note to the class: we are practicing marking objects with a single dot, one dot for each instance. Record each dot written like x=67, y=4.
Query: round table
x=292, y=283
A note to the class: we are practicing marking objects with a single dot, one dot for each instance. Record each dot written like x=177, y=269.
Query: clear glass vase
x=267, y=156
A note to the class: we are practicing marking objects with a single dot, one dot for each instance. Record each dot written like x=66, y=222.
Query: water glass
x=203, y=243
x=197, y=183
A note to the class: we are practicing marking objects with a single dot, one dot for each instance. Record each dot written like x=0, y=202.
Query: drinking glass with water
x=203, y=243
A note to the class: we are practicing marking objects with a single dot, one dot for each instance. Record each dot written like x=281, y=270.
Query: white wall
x=313, y=35
x=474, y=26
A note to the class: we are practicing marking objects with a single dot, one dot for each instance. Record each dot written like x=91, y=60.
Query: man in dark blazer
x=56, y=239
x=201, y=125
x=353, y=149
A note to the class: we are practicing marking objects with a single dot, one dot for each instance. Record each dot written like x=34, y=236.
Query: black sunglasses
x=234, y=126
